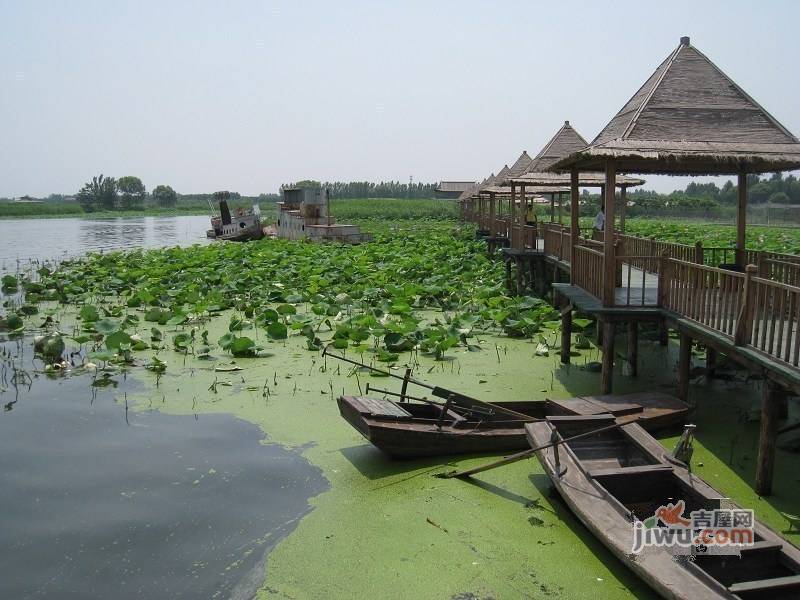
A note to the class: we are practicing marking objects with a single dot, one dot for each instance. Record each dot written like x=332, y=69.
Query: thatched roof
x=563, y=179
x=564, y=142
x=521, y=165
x=454, y=186
x=505, y=191
x=690, y=118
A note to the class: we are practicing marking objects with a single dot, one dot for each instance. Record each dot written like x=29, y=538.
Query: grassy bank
x=64, y=210
x=349, y=209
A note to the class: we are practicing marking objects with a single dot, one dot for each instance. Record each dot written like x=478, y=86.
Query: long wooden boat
x=623, y=476
x=413, y=430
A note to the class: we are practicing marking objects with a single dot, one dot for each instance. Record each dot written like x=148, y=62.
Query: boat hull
x=585, y=487
x=419, y=434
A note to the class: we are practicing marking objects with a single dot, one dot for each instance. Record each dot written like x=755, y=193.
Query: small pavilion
x=690, y=118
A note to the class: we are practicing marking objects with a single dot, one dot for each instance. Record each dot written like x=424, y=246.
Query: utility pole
x=410, y=183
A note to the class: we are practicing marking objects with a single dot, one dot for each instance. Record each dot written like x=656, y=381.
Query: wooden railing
x=587, y=272
x=552, y=240
x=639, y=286
x=773, y=319
x=779, y=270
x=710, y=296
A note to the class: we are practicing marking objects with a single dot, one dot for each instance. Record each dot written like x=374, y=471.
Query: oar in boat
x=453, y=398
x=478, y=410
x=507, y=460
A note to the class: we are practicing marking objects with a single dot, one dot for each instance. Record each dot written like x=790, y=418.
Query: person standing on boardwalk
x=600, y=219
x=530, y=215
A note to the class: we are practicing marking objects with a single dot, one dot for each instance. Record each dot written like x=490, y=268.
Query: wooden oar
x=440, y=392
x=507, y=460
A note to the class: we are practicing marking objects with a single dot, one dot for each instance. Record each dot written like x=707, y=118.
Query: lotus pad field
x=774, y=239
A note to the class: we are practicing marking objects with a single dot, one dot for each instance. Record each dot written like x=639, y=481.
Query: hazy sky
x=245, y=95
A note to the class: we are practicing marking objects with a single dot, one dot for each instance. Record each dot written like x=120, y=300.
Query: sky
x=246, y=95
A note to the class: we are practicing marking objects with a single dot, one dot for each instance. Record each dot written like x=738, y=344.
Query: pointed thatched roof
x=521, y=164
x=454, y=186
x=690, y=118
x=563, y=143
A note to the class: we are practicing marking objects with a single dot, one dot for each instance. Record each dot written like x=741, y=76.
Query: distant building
x=452, y=189
x=28, y=200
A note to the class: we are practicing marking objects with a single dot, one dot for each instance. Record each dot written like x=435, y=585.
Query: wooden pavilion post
x=552, y=207
x=770, y=414
x=560, y=208
x=684, y=366
x=574, y=222
x=492, y=215
x=609, y=261
x=741, y=220
x=512, y=225
x=623, y=205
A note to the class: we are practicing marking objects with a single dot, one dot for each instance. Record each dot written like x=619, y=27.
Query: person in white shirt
x=600, y=219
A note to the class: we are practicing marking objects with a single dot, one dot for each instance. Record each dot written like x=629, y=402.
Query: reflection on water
x=102, y=502
x=44, y=239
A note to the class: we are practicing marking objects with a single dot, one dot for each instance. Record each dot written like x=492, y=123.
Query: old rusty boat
x=241, y=225
x=419, y=429
x=618, y=479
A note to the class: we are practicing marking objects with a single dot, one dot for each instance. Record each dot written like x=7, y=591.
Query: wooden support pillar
x=566, y=334
x=711, y=361
x=684, y=365
x=623, y=205
x=560, y=208
x=512, y=219
x=770, y=414
x=552, y=207
x=633, y=347
x=518, y=265
x=531, y=275
x=507, y=262
x=492, y=215
x=741, y=220
x=607, y=372
x=663, y=333
x=574, y=221
x=609, y=261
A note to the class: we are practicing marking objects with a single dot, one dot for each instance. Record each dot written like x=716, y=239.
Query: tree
x=760, y=192
x=132, y=192
x=165, y=196
x=98, y=194
x=779, y=198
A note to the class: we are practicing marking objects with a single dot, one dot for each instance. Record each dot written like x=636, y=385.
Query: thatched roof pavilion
x=565, y=142
x=688, y=118
x=520, y=165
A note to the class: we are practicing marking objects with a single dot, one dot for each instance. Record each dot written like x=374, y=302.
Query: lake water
x=102, y=502
x=44, y=239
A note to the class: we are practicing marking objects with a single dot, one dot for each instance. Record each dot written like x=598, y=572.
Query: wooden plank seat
x=772, y=585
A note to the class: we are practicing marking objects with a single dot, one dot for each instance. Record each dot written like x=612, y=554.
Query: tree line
x=775, y=189
x=370, y=189
x=125, y=193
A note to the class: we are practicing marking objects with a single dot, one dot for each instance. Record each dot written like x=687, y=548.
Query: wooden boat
x=622, y=475
x=412, y=430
